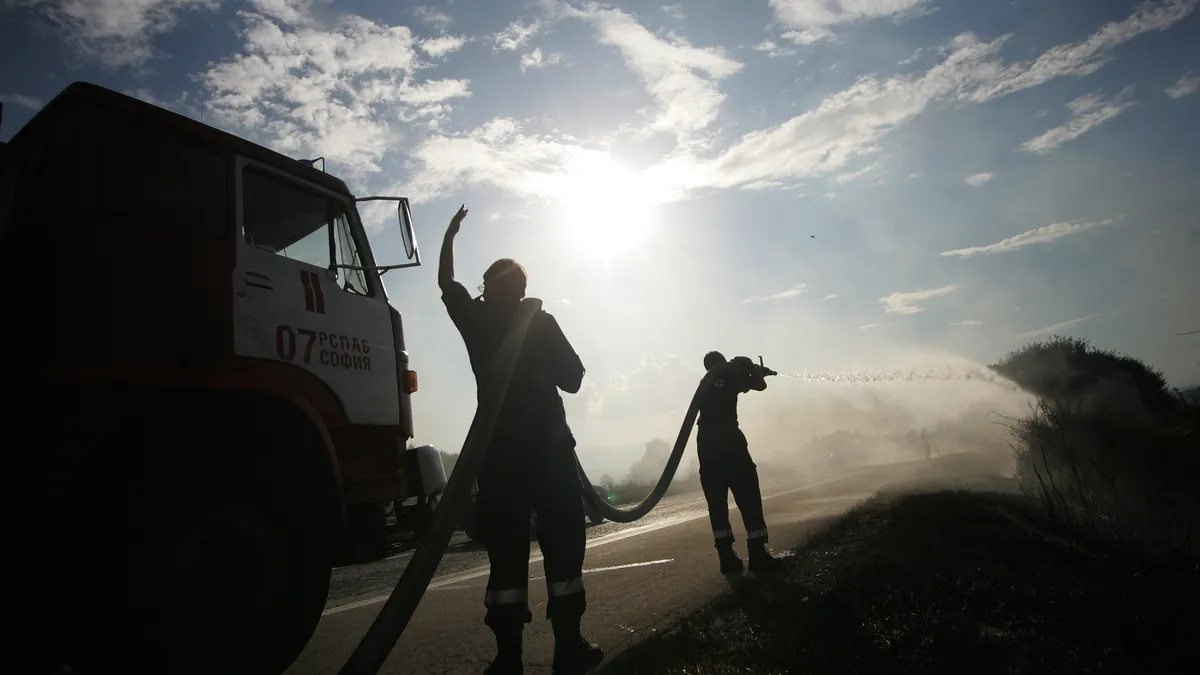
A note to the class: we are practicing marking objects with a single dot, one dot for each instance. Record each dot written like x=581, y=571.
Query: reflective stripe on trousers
x=558, y=589
x=751, y=535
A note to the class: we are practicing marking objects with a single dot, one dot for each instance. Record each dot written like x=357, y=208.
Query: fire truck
x=207, y=395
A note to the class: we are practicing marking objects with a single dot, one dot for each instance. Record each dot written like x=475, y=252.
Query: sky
x=831, y=184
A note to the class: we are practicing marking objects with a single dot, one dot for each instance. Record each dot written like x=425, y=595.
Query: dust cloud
x=808, y=424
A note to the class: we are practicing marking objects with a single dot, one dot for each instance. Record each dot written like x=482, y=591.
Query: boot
x=509, y=632
x=730, y=562
x=761, y=559
x=573, y=654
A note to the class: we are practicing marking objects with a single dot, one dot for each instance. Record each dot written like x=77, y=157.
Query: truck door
x=291, y=305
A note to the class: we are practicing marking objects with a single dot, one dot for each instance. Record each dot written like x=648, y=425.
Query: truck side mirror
x=406, y=228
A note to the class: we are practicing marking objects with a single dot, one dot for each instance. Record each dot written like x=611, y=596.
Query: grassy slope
x=953, y=582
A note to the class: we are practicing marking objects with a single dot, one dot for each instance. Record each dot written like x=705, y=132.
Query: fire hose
x=398, y=609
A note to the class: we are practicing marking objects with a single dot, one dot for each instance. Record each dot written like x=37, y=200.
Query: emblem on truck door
x=314, y=297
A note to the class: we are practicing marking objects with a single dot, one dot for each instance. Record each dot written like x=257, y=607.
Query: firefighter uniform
x=726, y=465
x=529, y=467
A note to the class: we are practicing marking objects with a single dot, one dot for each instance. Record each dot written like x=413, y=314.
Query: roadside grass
x=942, y=582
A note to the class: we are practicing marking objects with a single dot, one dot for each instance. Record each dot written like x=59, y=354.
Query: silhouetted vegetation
x=1108, y=445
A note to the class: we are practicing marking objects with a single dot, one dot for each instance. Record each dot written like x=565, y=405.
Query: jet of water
x=913, y=375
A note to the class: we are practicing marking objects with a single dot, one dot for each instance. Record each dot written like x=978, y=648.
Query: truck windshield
x=293, y=220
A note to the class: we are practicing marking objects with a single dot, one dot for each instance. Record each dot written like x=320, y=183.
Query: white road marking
x=453, y=579
x=619, y=567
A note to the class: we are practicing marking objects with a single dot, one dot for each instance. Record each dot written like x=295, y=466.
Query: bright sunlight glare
x=606, y=208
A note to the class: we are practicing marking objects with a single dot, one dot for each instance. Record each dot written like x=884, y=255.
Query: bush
x=1108, y=445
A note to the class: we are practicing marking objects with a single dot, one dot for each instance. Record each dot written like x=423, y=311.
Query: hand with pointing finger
x=456, y=221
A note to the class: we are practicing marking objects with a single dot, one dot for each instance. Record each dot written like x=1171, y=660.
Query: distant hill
x=1191, y=393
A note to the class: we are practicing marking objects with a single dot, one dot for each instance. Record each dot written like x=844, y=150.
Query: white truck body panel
x=290, y=311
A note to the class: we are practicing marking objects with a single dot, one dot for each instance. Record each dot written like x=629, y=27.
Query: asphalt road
x=640, y=578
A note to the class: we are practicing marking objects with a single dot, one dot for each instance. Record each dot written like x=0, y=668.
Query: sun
x=606, y=208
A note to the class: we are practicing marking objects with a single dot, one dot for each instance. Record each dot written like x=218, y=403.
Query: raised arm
x=446, y=261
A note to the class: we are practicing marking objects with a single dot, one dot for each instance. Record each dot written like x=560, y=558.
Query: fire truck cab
x=215, y=402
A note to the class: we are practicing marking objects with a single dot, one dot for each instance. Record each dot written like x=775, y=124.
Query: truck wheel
x=217, y=569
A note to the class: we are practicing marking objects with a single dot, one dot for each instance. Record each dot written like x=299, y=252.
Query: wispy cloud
x=23, y=101
x=967, y=322
x=978, y=179
x=1087, y=113
x=787, y=293
x=430, y=16
x=536, y=59
x=673, y=11
x=825, y=140
x=811, y=20
x=904, y=302
x=1041, y=235
x=1186, y=84
x=515, y=35
x=831, y=296
x=1054, y=327
x=121, y=33
x=1087, y=56
x=773, y=49
x=681, y=78
x=869, y=325
x=849, y=176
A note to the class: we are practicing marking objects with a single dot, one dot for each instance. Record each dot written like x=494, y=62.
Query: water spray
x=913, y=375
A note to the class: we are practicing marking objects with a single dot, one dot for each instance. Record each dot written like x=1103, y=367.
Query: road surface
x=640, y=578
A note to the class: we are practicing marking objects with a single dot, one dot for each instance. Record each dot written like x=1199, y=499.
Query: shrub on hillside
x=1108, y=444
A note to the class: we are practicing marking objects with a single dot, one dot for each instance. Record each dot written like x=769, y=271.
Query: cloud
x=812, y=19
x=535, y=59
x=848, y=124
x=831, y=296
x=903, y=302
x=515, y=36
x=851, y=123
x=1186, y=84
x=791, y=292
x=1087, y=113
x=1087, y=56
x=823, y=141
x=440, y=46
x=292, y=12
x=553, y=166
x=119, y=33
x=773, y=49
x=673, y=11
x=432, y=17
x=336, y=92
x=967, y=322
x=978, y=179
x=680, y=77
x=869, y=325
x=23, y=101
x=1041, y=235
x=848, y=176
x=1055, y=327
